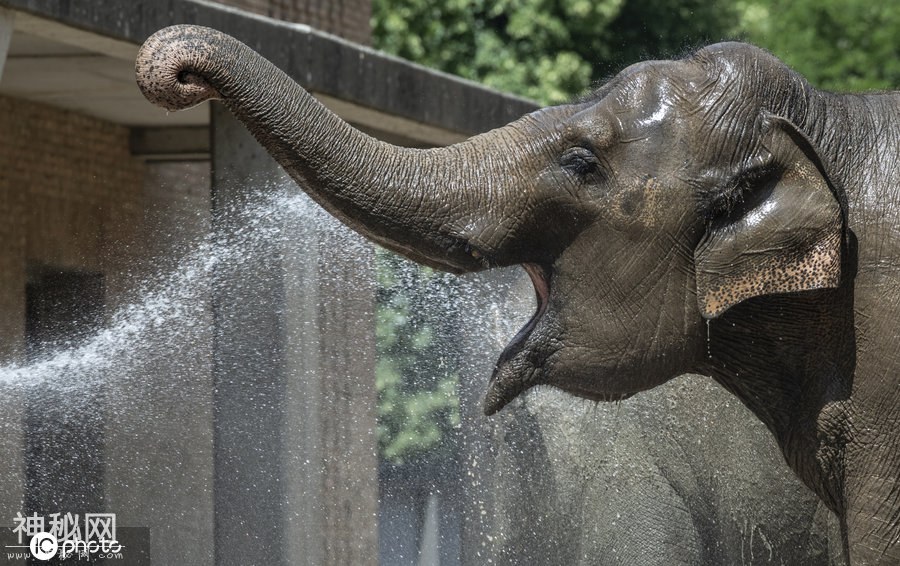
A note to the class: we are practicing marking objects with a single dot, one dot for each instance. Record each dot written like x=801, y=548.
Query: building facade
x=228, y=423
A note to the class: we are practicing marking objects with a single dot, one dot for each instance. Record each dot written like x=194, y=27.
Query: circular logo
x=43, y=546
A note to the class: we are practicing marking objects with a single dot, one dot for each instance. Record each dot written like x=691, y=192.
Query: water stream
x=122, y=411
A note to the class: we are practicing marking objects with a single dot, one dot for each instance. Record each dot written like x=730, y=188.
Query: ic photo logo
x=65, y=536
x=43, y=546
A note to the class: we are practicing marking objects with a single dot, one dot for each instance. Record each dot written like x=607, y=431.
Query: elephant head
x=668, y=196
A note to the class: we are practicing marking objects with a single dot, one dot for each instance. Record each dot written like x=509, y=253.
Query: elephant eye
x=580, y=161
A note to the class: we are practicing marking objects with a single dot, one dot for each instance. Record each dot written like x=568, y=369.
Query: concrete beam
x=387, y=127
x=188, y=143
x=59, y=31
x=6, y=29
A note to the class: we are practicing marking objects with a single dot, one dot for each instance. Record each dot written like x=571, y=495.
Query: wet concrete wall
x=293, y=371
x=158, y=445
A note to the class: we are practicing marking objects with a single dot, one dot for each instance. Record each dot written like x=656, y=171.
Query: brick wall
x=70, y=197
x=346, y=18
x=69, y=189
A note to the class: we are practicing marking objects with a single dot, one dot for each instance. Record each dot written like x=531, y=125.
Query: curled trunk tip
x=171, y=65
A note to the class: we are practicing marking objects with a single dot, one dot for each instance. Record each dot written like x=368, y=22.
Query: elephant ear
x=780, y=231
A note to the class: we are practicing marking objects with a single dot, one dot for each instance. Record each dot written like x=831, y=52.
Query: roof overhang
x=80, y=55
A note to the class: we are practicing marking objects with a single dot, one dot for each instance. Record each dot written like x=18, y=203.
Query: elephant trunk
x=409, y=200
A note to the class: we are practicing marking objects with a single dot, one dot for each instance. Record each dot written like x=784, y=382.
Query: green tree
x=547, y=50
x=837, y=44
x=417, y=368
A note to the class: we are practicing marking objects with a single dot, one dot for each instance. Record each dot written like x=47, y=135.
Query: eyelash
x=580, y=160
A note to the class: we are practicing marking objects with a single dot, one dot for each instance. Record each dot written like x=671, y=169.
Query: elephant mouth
x=513, y=374
x=540, y=278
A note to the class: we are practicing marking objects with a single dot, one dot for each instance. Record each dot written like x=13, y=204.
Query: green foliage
x=552, y=50
x=548, y=50
x=415, y=375
x=837, y=44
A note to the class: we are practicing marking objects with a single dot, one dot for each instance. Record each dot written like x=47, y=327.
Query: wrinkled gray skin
x=680, y=475
x=714, y=214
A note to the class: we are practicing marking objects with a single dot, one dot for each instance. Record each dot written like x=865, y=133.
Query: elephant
x=713, y=214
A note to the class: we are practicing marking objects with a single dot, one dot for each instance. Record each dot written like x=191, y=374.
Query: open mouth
x=515, y=373
x=540, y=278
x=509, y=381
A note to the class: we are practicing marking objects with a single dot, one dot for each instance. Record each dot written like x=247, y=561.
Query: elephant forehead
x=650, y=102
x=636, y=122
x=645, y=85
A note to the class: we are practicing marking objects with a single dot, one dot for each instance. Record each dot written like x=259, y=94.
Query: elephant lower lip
x=511, y=379
x=541, y=281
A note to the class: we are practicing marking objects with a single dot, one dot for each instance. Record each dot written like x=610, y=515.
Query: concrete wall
x=293, y=368
x=158, y=445
x=346, y=18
